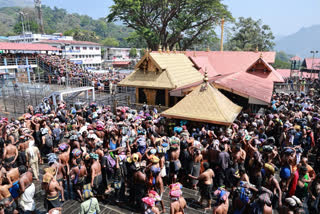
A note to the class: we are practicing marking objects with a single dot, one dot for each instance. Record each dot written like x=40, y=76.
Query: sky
x=283, y=16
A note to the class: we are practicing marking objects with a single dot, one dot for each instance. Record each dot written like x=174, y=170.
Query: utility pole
x=37, y=4
x=222, y=29
x=22, y=23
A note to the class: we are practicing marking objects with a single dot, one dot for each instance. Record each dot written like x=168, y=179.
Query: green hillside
x=57, y=20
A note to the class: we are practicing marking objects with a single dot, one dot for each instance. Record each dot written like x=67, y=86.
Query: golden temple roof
x=205, y=104
x=169, y=71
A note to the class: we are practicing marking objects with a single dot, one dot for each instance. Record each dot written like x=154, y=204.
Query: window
x=84, y=48
x=77, y=48
x=91, y=48
x=97, y=48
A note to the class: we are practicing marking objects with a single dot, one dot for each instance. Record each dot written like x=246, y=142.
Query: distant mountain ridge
x=16, y=3
x=301, y=42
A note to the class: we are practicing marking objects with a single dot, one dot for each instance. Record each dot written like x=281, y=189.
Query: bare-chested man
x=10, y=154
x=52, y=189
x=178, y=206
x=13, y=175
x=272, y=184
x=175, y=164
x=139, y=184
x=206, y=183
x=60, y=171
x=22, y=147
x=64, y=161
x=222, y=205
x=197, y=159
x=37, y=133
x=78, y=175
x=7, y=203
x=96, y=176
x=27, y=191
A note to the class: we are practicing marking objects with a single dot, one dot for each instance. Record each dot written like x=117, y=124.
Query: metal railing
x=291, y=87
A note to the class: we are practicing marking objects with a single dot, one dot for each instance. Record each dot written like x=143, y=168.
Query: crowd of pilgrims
x=260, y=163
x=77, y=75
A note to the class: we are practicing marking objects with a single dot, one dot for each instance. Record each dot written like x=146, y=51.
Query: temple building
x=205, y=104
x=246, y=78
x=157, y=73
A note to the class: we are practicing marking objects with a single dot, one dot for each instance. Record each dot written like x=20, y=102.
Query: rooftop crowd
x=60, y=67
x=261, y=163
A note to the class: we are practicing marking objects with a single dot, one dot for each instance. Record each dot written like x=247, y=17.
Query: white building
x=87, y=54
x=29, y=37
x=119, y=54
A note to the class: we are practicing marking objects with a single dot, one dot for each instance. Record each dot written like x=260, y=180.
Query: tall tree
x=170, y=22
x=249, y=35
x=82, y=35
x=133, y=53
x=30, y=25
x=110, y=42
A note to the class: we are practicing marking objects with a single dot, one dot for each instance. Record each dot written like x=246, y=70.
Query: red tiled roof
x=217, y=62
x=272, y=75
x=246, y=84
x=295, y=58
x=26, y=47
x=70, y=42
x=312, y=64
x=285, y=73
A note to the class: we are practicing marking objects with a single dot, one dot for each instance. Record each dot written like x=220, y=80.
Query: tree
x=82, y=35
x=142, y=52
x=110, y=42
x=170, y=22
x=31, y=25
x=136, y=40
x=249, y=35
x=133, y=53
x=282, y=60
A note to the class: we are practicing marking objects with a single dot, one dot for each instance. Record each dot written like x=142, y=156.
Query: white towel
x=26, y=200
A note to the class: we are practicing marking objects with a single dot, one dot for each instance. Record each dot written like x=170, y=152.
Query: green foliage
x=282, y=60
x=142, y=52
x=103, y=51
x=110, y=42
x=59, y=21
x=249, y=35
x=170, y=22
x=82, y=35
x=281, y=64
x=30, y=25
x=133, y=53
x=136, y=40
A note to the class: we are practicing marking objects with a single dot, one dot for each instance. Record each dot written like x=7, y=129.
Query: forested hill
x=57, y=20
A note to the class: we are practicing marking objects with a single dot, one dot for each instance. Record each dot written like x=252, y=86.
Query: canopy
x=205, y=104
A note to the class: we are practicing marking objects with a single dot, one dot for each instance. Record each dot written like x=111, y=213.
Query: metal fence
x=291, y=87
x=15, y=98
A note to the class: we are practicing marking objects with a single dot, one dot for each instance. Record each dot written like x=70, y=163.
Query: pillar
x=93, y=95
x=87, y=95
x=28, y=70
x=137, y=95
x=167, y=97
x=5, y=64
